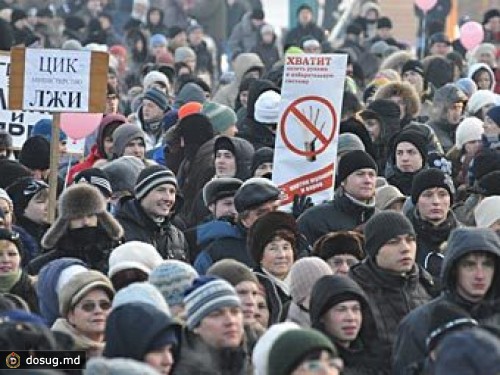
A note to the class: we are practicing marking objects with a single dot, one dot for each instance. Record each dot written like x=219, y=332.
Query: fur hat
x=254, y=192
x=338, y=243
x=78, y=201
x=264, y=230
x=404, y=90
x=220, y=188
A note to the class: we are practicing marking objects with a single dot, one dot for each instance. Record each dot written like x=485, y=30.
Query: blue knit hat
x=157, y=97
x=43, y=127
x=172, y=278
x=158, y=40
x=46, y=288
x=206, y=295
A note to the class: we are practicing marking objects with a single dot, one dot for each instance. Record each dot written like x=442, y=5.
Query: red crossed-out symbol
x=293, y=110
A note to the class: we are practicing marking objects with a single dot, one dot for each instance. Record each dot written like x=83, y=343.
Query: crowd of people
x=170, y=254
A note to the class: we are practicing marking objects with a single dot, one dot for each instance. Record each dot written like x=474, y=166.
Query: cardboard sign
x=307, y=134
x=56, y=80
x=19, y=124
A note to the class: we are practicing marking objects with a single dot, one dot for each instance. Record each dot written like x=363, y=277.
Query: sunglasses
x=89, y=306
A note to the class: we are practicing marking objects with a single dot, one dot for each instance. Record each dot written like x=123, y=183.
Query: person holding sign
x=354, y=201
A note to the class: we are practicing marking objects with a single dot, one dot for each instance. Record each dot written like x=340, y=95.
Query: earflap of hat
x=54, y=233
x=112, y=227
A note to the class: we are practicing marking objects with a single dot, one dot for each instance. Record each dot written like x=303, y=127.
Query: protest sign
x=58, y=80
x=307, y=133
x=19, y=124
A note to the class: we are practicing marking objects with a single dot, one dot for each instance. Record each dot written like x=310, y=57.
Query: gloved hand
x=300, y=204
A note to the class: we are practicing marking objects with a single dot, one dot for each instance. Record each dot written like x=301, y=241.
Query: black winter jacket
x=392, y=296
x=165, y=237
x=340, y=214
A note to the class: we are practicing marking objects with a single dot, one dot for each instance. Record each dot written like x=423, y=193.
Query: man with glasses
x=339, y=308
x=432, y=217
x=470, y=280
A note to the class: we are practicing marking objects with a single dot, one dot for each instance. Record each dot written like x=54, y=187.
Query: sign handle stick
x=54, y=166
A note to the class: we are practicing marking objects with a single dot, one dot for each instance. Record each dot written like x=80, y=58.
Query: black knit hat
x=35, y=153
x=382, y=227
x=414, y=66
x=257, y=14
x=338, y=243
x=220, y=188
x=428, y=179
x=352, y=161
x=489, y=14
x=5, y=140
x=384, y=22
x=489, y=184
x=254, y=192
x=195, y=129
x=151, y=177
x=224, y=143
x=10, y=171
x=13, y=237
x=385, y=108
x=264, y=230
x=261, y=156
x=415, y=138
x=96, y=177
x=22, y=191
x=486, y=161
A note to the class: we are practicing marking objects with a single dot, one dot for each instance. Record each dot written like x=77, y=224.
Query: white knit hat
x=469, y=130
x=152, y=77
x=487, y=213
x=267, y=107
x=260, y=355
x=134, y=254
x=480, y=99
x=142, y=292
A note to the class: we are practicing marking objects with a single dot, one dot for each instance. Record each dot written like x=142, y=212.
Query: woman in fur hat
x=405, y=95
x=272, y=241
x=13, y=279
x=83, y=230
x=84, y=305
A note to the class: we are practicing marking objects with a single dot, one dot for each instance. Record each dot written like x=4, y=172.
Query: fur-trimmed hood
x=396, y=60
x=404, y=90
x=473, y=69
x=79, y=201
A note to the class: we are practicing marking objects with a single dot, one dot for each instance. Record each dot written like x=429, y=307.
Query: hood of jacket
x=127, y=339
x=331, y=288
x=105, y=122
x=244, y=62
x=215, y=229
x=464, y=241
x=475, y=67
x=244, y=154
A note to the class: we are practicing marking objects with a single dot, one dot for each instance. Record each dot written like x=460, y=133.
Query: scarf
x=8, y=280
x=82, y=342
x=282, y=284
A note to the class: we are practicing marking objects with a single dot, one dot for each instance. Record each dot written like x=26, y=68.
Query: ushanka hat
x=220, y=188
x=78, y=201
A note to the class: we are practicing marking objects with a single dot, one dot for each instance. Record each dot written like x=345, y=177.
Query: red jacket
x=87, y=163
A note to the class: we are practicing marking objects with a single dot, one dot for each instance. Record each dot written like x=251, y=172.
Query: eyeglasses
x=338, y=262
x=317, y=365
x=89, y=306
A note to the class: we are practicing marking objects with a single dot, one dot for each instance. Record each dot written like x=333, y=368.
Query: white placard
x=307, y=133
x=56, y=80
x=19, y=124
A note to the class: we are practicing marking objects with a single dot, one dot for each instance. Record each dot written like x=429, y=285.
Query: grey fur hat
x=78, y=201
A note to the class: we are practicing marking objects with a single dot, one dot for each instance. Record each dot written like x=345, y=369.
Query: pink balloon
x=471, y=34
x=80, y=125
x=425, y=5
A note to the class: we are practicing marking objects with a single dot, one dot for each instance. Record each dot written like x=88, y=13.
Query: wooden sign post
x=56, y=81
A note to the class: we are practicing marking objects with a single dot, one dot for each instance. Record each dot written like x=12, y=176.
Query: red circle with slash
x=304, y=121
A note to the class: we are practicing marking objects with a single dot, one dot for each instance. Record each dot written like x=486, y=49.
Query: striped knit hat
x=152, y=177
x=206, y=295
